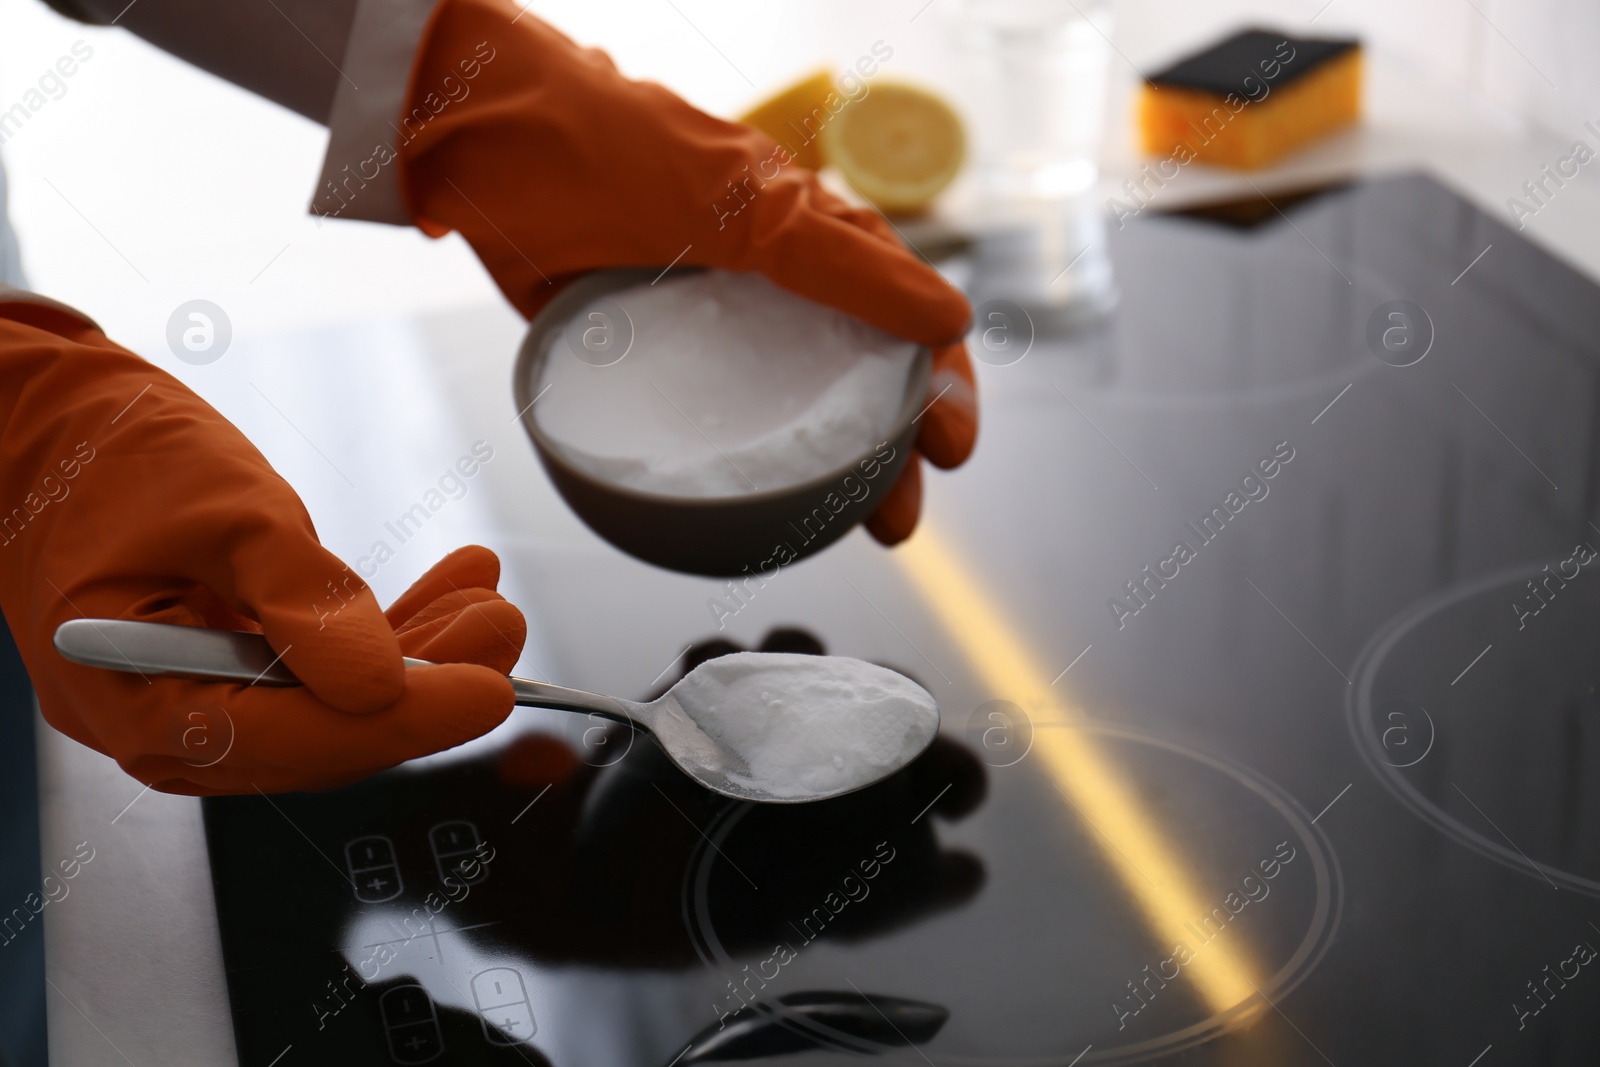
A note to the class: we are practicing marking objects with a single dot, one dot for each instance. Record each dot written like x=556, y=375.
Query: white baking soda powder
x=809, y=724
x=730, y=385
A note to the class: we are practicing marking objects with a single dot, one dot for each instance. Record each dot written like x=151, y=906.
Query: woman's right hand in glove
x=123, y=495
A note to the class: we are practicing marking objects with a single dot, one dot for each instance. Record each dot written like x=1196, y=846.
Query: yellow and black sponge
x=1251, y=99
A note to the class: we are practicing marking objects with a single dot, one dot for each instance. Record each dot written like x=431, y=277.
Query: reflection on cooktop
x=516, y=906
x=476, y=902
x=1110, y=855
x=1502, y=671
x=1219, y=312
x=1055, y=954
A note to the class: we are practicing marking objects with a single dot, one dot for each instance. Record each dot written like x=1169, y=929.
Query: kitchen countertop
x=133, y=953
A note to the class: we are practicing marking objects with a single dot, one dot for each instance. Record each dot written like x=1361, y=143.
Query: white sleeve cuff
x=360, y=179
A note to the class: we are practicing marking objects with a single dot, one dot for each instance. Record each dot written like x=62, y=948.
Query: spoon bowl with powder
x=769, y=727
x=710, y=422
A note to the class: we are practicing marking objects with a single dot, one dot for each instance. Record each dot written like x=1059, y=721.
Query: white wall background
x=148, y=184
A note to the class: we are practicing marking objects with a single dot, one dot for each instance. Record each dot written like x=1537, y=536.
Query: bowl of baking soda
x=711, y=422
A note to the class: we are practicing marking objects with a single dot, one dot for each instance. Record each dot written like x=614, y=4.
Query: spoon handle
x=158, y=648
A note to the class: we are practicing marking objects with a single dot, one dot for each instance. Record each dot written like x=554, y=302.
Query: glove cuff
x=22, y=305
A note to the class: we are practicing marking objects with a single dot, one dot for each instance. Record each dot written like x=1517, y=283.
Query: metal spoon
x=153, y=648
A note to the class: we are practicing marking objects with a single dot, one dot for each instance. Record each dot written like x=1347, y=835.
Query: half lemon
x=898, y=145
x=796, y=117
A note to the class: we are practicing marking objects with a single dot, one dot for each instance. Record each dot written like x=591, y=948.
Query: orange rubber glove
x=554, y=164
x=127, y=497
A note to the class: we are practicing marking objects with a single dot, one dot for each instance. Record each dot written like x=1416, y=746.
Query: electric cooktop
x=1266, y=627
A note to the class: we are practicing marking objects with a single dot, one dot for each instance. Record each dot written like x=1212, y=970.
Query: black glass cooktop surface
x=1266, y=627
